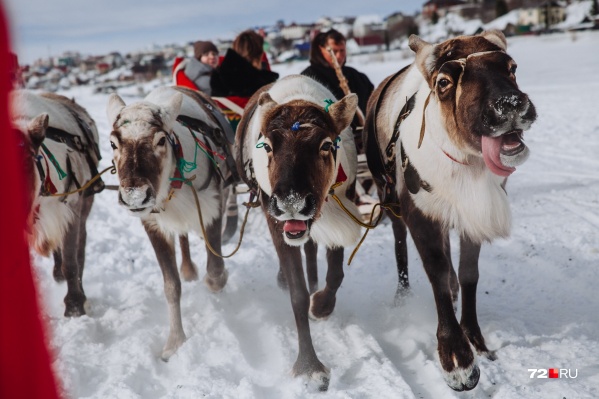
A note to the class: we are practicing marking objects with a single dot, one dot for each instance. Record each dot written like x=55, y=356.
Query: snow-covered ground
x=538, y=295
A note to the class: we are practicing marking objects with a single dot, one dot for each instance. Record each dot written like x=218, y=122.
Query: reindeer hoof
x=317, y=380
x=462, y=379
x=172, y=345
x=189, y=271
x=57, y=274
x=491, y=355
x=74, y=307
x=216, y=284
x=321, y=305
x=401, y=295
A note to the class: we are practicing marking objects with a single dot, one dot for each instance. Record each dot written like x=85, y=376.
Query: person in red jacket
x=25, y=363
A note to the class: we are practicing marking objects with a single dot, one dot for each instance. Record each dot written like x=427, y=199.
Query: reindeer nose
x=508, y=107
x=137, y=196
x=292, y=205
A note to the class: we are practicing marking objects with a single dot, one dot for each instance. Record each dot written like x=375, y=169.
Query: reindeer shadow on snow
x=163, y=148
x=441, y=137
x=59, y=144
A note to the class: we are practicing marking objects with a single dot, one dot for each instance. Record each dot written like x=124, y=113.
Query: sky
x=49, y=27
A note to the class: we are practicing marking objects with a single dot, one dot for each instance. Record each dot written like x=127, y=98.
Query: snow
x=575, y=14
x=537, y=295
x=502, y=22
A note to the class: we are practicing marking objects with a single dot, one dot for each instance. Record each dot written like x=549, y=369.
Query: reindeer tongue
x=491, y=147
x=294, y=226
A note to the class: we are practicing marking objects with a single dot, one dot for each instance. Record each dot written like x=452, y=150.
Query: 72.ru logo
x=553, y=373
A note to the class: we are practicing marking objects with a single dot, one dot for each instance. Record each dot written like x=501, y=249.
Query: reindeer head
x=142, y=155
x=295, y=161
x=473, y=88
x=30, y=136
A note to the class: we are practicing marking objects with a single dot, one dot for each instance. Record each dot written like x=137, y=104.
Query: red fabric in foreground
x=25, y=370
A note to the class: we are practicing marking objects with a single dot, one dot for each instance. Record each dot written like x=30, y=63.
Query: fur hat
x=200, y=48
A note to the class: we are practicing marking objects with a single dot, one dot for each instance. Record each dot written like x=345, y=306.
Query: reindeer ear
x=115, y=105
x=424, y=60
x=496, y=37
x=37, y=130
x=171, y=110
x=266, y=102
x=343, y=111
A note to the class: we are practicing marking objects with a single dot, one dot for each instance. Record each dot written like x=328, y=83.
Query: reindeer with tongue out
x=294, y=146
x=441, y=137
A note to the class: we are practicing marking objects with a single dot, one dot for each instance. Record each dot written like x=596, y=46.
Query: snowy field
x=538, y=295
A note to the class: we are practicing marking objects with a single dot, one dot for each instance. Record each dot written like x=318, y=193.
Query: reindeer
x=59, y=141
x=295, y=148
x=442, y=135
x=161, y=147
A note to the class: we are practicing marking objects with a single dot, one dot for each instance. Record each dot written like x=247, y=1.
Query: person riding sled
x=240, y=74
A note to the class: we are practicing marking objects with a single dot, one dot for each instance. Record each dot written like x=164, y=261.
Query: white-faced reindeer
x=441, y=137
x=59, y=141
x=161, y=145
x=293, y=146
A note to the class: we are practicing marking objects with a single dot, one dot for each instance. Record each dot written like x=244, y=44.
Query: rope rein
x=112, y=170
x=387, y=206
x=249, y=205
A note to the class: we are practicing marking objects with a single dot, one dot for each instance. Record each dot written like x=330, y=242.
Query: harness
x=75, y=143
x=223, y=135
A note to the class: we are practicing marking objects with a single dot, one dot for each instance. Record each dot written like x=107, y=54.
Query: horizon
x=38, y=28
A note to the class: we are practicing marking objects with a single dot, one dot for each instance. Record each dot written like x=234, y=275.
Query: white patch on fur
x=334, y=228
x=260, y=160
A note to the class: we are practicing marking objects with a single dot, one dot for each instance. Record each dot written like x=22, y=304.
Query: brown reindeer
x=293, y=146
x=60, y=144
x=158, y=157
x=441, y=137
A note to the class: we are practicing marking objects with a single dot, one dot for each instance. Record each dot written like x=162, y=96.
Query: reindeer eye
x=443, y=83
x=267, y=148
x=113, y=145
x=162, y=141
x=513, y=69
x=326, y=146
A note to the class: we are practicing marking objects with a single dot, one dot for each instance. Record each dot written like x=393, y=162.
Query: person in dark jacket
x=240, y=72
x=199, y=68
x=322, y=70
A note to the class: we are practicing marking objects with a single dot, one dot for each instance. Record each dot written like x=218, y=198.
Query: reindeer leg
x=189, y=270
x=73, y=258
x=323, y=302
x=164, y=247
x=311, y=251
x=217, y=275
x=400, y=234
x=454, y=285
x=232, y=214
x=457, y=360
x=469, y=252
x=290, y=259
x=57, y=271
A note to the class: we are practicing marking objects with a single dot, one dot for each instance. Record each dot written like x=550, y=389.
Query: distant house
x=547, y=14
x=296, y=31
x=399, y=25
x=369, y=30
x=440, y=7
x=103, y=67
x=344, y=25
